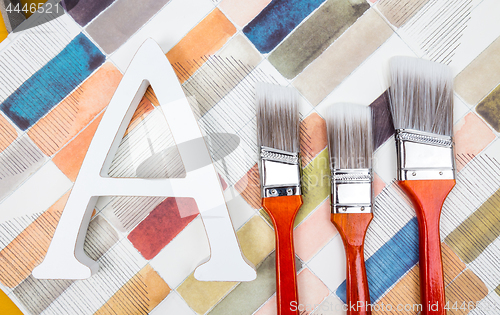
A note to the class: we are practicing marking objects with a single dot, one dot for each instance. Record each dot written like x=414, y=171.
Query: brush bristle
x=277, y=117
x=350, y=140
x=421, y=95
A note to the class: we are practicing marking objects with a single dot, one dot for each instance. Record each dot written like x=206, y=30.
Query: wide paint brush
x=350, y=144
x=421, y=101
x=278, y=140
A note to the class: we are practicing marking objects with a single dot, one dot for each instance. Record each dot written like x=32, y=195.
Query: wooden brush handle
x=352, y=228
x=428, y=197
x=282, y=211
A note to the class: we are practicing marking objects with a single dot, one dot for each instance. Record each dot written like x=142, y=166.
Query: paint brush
x=350, y=144
x=280, y=175
x=421, y=102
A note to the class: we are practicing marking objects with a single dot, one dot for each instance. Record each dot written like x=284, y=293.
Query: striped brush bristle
x=421, y=95
x=350, y=138
x=277, y=117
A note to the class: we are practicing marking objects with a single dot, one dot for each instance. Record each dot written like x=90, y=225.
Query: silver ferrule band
x=280, y=173
x=352, y=191
x=424, y=156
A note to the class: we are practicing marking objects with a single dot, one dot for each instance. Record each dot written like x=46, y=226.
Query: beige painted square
x=311, y=291
x=343, y=57
x=481, y=76
x=256, y=239
x=399, y=12
x=314, y=232
x=203, y=295
x=240, y=48
x=332, y=305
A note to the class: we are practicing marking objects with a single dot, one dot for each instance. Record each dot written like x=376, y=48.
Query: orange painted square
x=467, y=287
x=28, y=249
x=60, y=125
x=140, y=295
x=69, y=160
x=8, y=132
x=407, y=290
x=203, y=40
x=151, y=96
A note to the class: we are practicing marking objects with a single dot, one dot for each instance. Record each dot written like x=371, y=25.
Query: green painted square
x=315, y=35
x=489, y=109
x=315, y=185
x=247, y=297
x=478, y=231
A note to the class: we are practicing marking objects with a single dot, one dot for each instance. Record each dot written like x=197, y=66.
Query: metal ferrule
x=280, y=173
x=352, y=191
x=424, y=156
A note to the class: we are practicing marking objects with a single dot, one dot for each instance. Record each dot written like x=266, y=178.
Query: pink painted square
x=472, y=135
x=242, y=11
x=311, y=293
x=314, y=233
x=313, y=137
x=378, y=184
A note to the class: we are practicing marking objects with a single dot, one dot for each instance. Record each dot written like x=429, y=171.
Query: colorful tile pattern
x=53, y=95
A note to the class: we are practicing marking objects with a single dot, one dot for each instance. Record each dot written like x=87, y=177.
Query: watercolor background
x=57, y=78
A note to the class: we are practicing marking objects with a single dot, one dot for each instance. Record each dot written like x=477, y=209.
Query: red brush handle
x=428, y=197
x=282, y=211
x=352, y=228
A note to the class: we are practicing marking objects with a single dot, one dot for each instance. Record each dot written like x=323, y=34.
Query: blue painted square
x=52, y=83
x=277, y=20
x=390, y=262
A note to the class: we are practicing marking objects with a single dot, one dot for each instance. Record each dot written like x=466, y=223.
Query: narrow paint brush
x=350, y=145
x=278, y=140
x=421, y=101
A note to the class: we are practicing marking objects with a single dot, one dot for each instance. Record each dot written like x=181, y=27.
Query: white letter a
x=65, y=257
